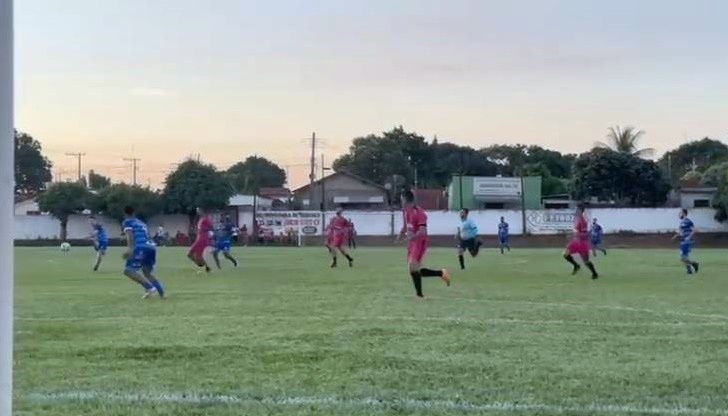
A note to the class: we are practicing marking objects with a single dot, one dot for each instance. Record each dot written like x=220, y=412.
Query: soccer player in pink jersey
x=414, y=231
x=337, y=236
x=202, y=241
x=580, y=243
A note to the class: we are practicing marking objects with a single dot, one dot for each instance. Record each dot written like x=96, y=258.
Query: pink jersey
x=339, y=225
x=415, y=220
x=581, y=228
x=204, y=228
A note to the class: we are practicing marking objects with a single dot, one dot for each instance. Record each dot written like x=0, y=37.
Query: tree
x=63, y=199
x=145, y=201
x=32, y=169
x=713, y=175
x=452, y=159
x=395, y=152
x=509, y=158
x=720, y=199
x=550, y=185
x=97, y=181
x=255, y=173
x=195, y=184
x=619, y=177
x=697, y=155
x=626, y=140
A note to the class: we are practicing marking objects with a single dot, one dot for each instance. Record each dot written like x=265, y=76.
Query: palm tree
x=626, y=141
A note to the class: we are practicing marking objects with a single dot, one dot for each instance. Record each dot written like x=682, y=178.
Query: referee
x=468, y=235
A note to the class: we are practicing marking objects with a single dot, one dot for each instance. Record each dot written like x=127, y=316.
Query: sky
x=161, y=80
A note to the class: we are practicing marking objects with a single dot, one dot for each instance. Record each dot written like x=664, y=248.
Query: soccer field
x=285, y=335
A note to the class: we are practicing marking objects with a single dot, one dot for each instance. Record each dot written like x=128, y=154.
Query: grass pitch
x=285, y=335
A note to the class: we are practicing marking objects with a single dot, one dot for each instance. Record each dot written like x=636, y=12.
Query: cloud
x=149, y=92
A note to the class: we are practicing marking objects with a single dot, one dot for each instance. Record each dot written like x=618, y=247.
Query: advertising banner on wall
x=497, y=187
x=549, y=221
x=285, y=222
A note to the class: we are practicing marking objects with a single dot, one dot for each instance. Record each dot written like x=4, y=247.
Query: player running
x=580, y=243
x=101, y=240
x=141, y=254
x=414, y=231
x=468, y=236
x=504, y=236
x=686, y=234
x=337, y=236
x=223, y=241
x=202, y=242
x=596, y=235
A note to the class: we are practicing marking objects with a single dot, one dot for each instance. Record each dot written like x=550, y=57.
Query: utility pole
x=134, y=167
x=312, y=175
x=79, y=156
x=323, y=186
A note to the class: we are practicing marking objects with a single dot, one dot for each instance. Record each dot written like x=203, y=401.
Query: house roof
x=339, y=173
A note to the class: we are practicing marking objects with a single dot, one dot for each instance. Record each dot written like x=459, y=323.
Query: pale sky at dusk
x=230, y=78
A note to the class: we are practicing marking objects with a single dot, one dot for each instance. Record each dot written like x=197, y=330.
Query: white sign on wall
x=549, y=221
x=497, y=187
x=282, y=222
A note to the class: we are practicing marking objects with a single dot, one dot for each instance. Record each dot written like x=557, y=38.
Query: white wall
x=658, y=220
x=30, y=227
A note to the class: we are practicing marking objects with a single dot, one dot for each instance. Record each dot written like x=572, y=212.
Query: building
x=431, y=199
x=341, y=189
x=480, y=192
x=696, y=196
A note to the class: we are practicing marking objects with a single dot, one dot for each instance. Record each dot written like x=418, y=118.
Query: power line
x=134, y=167
x=79, y=156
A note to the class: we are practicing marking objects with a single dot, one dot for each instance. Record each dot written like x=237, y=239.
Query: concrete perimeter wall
x=541, y=222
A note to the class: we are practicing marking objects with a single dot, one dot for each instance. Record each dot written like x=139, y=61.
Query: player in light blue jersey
x=101, y=240
x=686, y=234
x=504, y=235
x=468, y=236
x=596, y=236
x=141, y=254
x=223, y=240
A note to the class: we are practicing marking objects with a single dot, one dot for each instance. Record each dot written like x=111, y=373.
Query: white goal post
x=7, y=192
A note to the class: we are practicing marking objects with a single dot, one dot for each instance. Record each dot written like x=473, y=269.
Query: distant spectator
x=244, y=232
x=352, y=235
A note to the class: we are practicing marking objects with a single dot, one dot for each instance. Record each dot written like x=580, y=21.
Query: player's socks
x=160, y=289
x=461, y=259
x=689, y=269
x=592, y=269
x=430, y=273
x=147, y=286
x=334, y=262
x=573, y=262
x=350, y=260
x=417, y=281
x=696, y=266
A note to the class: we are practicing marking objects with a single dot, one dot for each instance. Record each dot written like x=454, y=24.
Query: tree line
x=614, y=170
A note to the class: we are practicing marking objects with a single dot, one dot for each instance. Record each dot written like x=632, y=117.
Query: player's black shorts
x=470, y=245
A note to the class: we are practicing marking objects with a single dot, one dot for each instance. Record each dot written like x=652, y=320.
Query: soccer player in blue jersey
x=686, y=235
x=596, y=234
x=223, y=240
x=468, y=235
x=101, y=240
x=504, y=235
x=140, y=255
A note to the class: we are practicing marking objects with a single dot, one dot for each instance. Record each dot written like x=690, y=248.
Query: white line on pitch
x=362, y=402
x=454, y=320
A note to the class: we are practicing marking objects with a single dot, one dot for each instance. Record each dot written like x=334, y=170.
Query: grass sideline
x=285, y=335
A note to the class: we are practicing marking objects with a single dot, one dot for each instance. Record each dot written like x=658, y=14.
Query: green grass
x=285, y=335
